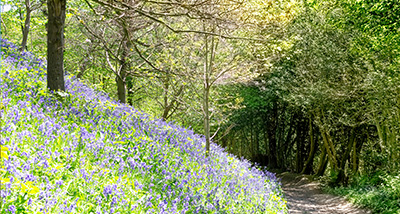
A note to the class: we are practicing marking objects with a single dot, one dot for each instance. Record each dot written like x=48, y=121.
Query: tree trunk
x=206, y=118
x=308, y=166
x=357, y=147
x=266, y=146
x=55, y=45
x=170, y=105
x=341, y=176
x=323, y=162
x=301, y=139
x=257, y=146
x=354, y=157
x=208, y=68
x=298, y=152
x=328, y=147
x=123, y=71
x=289, y=143
x=271, y=127
x=166, y=105
x=27, y=24
x=121, y=87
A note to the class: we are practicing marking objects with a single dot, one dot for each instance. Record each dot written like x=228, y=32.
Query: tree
x=210, y=23
x=378, y=43
x=55, y=44
x=30, y=7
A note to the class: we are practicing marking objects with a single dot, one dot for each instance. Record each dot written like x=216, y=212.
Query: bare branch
x=124, y=7
x=215, y=133
x=195, y=31
x=97, y=37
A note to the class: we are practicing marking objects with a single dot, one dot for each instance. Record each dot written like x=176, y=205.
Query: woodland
x=306, y=86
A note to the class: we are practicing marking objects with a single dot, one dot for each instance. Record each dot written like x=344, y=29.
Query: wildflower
x=12, y=209
x=108, y=190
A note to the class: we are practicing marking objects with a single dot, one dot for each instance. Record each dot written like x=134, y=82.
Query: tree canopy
x=310, y=86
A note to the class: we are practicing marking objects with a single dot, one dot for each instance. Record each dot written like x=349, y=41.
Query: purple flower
x=90, y=126
x=29, y=201
x=59, y=183
x=108, y=190
x=12, y=209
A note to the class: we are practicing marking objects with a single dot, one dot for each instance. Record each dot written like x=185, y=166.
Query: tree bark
x=169, y=105
x=298, y=152
x=327, y=140
x=208, y=67
x=55, y=45
x=331, y=155
x=341, y=176
x=308, y=166
x=271, y=127
x=124, y=68
x=206, y=118
x=27, y=25
x=121, y=85
x=354, y=157
x=323, y=162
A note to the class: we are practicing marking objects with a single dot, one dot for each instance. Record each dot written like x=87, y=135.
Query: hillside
x=81, y=152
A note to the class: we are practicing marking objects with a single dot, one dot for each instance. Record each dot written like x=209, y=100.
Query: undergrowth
x=81, y=152
x=379, y=192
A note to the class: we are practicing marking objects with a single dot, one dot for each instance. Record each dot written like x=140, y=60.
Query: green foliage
x=13, y=21
x=378, y=192
x=326, y=64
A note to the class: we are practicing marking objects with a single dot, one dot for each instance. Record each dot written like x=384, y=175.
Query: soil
x=304, y=195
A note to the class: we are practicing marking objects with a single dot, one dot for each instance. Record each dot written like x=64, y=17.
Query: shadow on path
x=305, y=196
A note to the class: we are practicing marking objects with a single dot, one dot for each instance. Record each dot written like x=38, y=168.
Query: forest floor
x=305, y=196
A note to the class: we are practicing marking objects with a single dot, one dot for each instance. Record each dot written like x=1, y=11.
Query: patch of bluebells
x=84, y=153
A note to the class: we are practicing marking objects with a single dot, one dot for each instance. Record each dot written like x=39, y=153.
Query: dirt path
x=305, y=196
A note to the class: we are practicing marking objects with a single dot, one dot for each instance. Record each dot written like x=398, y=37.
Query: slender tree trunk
x=272, y=159
x=170, y=105
x=123, y=71
x=298, y=152
x=121, y=86
x=308, y=166
x=327, y=146
x=302, y=133
x=354, y=157
x=25, y=31
x=257, y=147
x=382, y=140
x=341, y=176
x=272, y=152
x=166, y=105
x=327, y=140
x=208, y=69
x=207, y=118
x=55, y=45
x=266, y=145
x=323, y=162
x=289, y=143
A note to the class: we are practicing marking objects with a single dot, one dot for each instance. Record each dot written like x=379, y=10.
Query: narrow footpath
x=305, y=196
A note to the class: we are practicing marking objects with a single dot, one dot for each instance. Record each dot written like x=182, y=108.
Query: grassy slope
x=84, y=153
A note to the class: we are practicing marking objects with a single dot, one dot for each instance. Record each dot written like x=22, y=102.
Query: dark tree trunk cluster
x=289, y=139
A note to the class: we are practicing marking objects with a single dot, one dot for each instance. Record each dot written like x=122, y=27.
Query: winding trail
x=305, y=196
